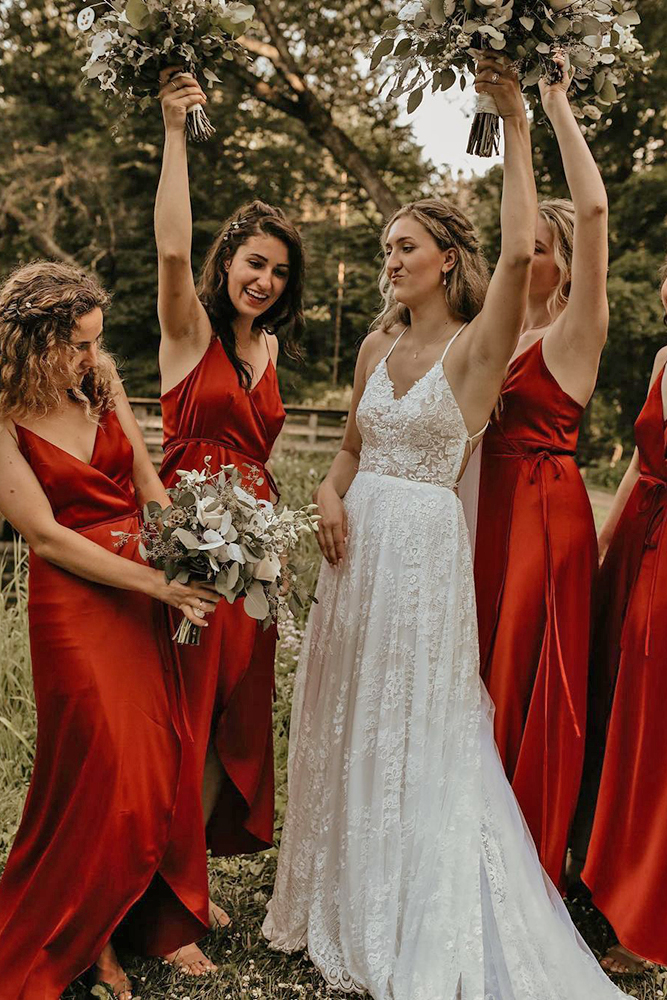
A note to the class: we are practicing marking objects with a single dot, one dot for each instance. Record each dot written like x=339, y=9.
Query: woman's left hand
x=496, y=77
x=559, y=89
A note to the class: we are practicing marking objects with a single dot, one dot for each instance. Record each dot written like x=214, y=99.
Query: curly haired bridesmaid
x=626, y=866
x=535, y=549
x=220, y=398
x=112, y=826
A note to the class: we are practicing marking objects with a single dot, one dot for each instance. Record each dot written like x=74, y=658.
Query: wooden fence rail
x=307, y=428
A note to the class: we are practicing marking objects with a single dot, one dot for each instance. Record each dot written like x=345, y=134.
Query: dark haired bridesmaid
x=535, y=548
x=112, y=830
x=626, y=866
x=220, y=398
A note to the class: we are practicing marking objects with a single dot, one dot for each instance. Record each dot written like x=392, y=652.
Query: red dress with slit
x=229, y=678
x=626, y=867
x=112, y=828
x=535, y=562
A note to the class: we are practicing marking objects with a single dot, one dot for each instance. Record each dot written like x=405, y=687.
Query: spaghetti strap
x=450, y=342
x=473, y=437
x=266, y=341
x=394, y=344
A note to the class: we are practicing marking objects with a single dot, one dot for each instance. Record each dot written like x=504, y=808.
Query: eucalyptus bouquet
x=434, y=41
x=132, y=41
x=217, y=531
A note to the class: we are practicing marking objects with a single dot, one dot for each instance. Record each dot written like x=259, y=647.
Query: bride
x=405, y=867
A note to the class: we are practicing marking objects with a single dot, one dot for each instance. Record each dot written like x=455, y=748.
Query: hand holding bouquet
x=218, y=532
x=434, y=41
x=134, y=40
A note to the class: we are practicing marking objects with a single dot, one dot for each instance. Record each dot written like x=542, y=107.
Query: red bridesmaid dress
x=626, y=867
x=535, y=561
x=113, y=814
x=229, y=678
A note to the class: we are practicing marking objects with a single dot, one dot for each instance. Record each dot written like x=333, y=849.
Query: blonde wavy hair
x=467, y=281
x=558, y=213
x=40, y=305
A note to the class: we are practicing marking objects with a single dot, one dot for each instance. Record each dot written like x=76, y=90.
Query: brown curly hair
x=254, y=219
x=40, y=305
x=467, y=281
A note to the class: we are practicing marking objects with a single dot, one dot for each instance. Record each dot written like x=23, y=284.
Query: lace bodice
x=419, y=436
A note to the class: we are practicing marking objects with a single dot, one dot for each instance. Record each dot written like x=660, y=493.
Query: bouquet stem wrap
x=187, y=634
x=485, y=132
x=198, y=125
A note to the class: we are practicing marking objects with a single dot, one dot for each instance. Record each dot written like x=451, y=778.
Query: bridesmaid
x=626, y=867
x=220, y=398
x=535, y=548
x=113, y=814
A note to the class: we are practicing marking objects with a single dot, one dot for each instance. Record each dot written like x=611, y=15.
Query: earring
x=444, y=279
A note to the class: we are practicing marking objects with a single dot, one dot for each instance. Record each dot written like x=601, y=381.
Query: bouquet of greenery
x=217, y=531
x=134, y=40
x=436, y=40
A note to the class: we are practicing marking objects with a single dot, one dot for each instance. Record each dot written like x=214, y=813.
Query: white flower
x=268, y=569
x=244, y=497
x=211, y=514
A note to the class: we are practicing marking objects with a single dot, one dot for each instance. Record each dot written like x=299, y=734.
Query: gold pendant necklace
x=424, y=346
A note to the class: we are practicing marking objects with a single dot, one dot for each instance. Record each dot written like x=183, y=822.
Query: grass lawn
x=248, y=970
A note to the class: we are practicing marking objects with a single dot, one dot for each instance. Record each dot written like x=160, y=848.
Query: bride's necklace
x=429, y=343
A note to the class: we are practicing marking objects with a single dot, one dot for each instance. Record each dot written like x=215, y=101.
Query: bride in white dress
x=405, y=866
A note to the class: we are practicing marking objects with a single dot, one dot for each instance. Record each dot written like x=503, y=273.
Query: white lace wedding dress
x=405, y=867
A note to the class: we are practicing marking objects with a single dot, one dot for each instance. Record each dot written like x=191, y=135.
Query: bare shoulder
x=660, y=360
x=8, y=430
x=273, y=345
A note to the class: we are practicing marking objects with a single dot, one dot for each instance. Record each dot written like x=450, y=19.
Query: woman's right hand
x=194, y=600
x=496, y=77
x=332, y=529
x=178, y=93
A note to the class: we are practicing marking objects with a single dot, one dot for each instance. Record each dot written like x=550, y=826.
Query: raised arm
x=495, y=331
x=183, y=320
x=25, y=505
x=582, y=328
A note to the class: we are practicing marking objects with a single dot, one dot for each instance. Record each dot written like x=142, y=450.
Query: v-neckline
x=64, y=451
x=397, y=399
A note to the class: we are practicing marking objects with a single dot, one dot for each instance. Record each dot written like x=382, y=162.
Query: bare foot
x=191, y=961
x=218, y=920
x=622, y=962
x=109, y=973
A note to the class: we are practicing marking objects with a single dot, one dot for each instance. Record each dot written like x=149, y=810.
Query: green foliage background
x=70, y=185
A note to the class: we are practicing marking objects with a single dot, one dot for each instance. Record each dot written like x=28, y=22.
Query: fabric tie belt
x=248, y=460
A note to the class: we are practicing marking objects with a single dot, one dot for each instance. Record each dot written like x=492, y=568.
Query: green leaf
x=527, y=22
x=211, y=76
x=187, y=499
x=447, y=79
x=437, y=12
x=382, y=49
x=630, y=17
x=608, y=93
x=403, y=46
x=415, y=99
x=137, y=14
x=255, y=602
x=389, y=23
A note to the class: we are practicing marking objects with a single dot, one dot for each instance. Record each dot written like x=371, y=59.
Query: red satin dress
x=229, y=678
x=535, y=563
x=626, y=867
x=112, y=825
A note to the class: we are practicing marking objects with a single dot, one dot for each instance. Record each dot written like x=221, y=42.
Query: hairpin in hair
x=232, y=228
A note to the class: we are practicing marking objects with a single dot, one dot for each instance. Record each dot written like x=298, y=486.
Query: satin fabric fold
x=534, y=570
x=229, y=678
x=112, y=826
x=626, y=866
